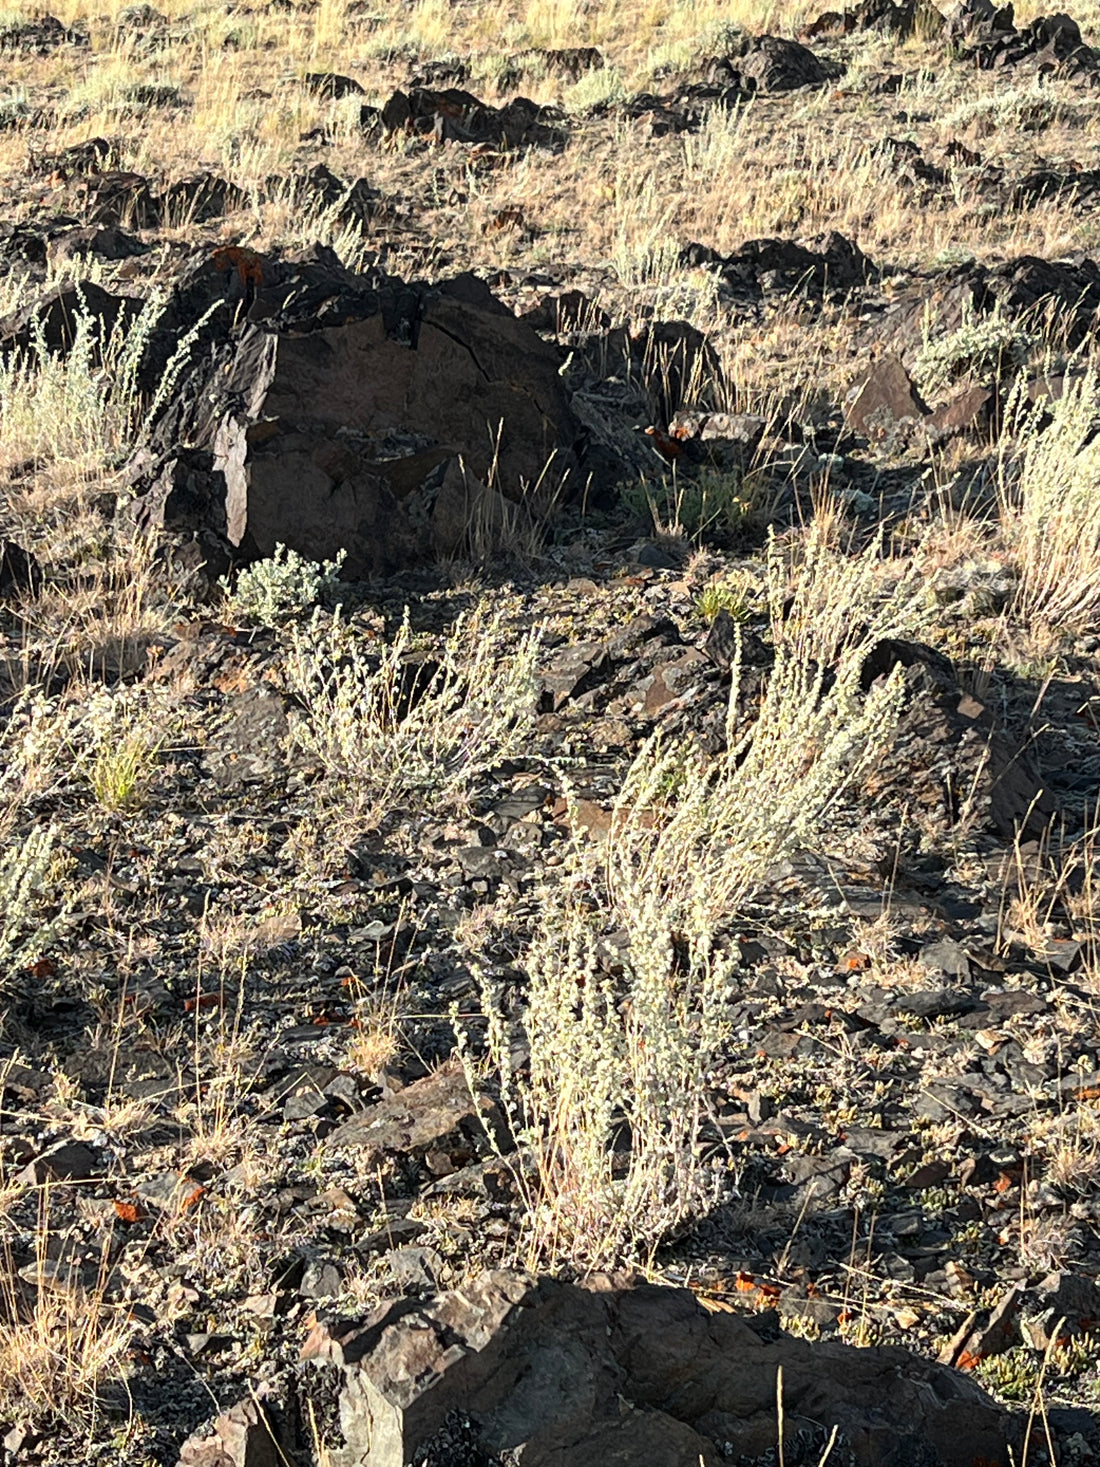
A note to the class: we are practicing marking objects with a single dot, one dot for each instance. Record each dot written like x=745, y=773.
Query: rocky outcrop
x=642, y=1377
x=339, y=412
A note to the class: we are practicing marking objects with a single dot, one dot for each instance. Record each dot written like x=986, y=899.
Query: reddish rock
x=887, y=402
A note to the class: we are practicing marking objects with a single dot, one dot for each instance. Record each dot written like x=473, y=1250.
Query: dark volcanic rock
x=354, y=413
x=118, y=199
x=20, y=572
x=40, y=37
x=567, y=1376
x=569, y=62
x=129, y=200
x=1051, y=45
x=1062, y=296
x=197, y=198
x=950, y=761
x=107, y=244
x=436, y=1113
x=837, y=265
x=887, y=402
x=771, y=64
x=243, y=1436
x=1080, y=188
x=330, y=87
x=55, y=318
x=896, y=20
x=95, y=155
x=453, y=115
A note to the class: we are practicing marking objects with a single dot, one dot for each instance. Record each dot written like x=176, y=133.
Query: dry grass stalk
x=1049, y=491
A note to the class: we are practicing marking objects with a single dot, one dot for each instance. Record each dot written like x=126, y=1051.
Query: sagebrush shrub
x=630, y=974
x=388, y=728
x=1049, y=492
x=282, y=588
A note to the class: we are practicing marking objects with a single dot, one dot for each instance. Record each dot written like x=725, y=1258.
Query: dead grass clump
x=389, y=729
x=62, y=1347
x=1049, y=491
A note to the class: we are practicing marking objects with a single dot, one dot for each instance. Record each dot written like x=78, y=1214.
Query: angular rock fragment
x=1068, y=1304
x=887, y=403
x=984, y=1334
x=438, y=1112
x=243, y=1436
x=949, y=760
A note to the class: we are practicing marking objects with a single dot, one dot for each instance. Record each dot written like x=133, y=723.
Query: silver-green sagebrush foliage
x=390, y=729
x=282, y=588
x=24, y=873
x=630, y=971
x=1049, y=491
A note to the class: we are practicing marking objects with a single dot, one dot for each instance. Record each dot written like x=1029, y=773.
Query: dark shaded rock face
x=950, y=761
x=352, y=413
x=886, y=401
x=40, y=37
x=20, y=573
x=570, y=1376
x=1060, y=294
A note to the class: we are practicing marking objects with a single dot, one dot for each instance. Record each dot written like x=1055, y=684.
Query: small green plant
x=120, y=770
x=283, y=588
x=723, y=595
x=715, y=501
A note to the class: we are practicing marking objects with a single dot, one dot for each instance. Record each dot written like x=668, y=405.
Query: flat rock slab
x=426, y=1114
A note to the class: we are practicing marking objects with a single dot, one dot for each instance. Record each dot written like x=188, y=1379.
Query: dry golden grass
x=798, y=164
x=62, y=1345
x=1050, y=510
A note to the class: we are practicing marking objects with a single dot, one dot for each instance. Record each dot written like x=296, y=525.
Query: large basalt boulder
x=830, y=265
x=773, y=64
x=354, y=413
